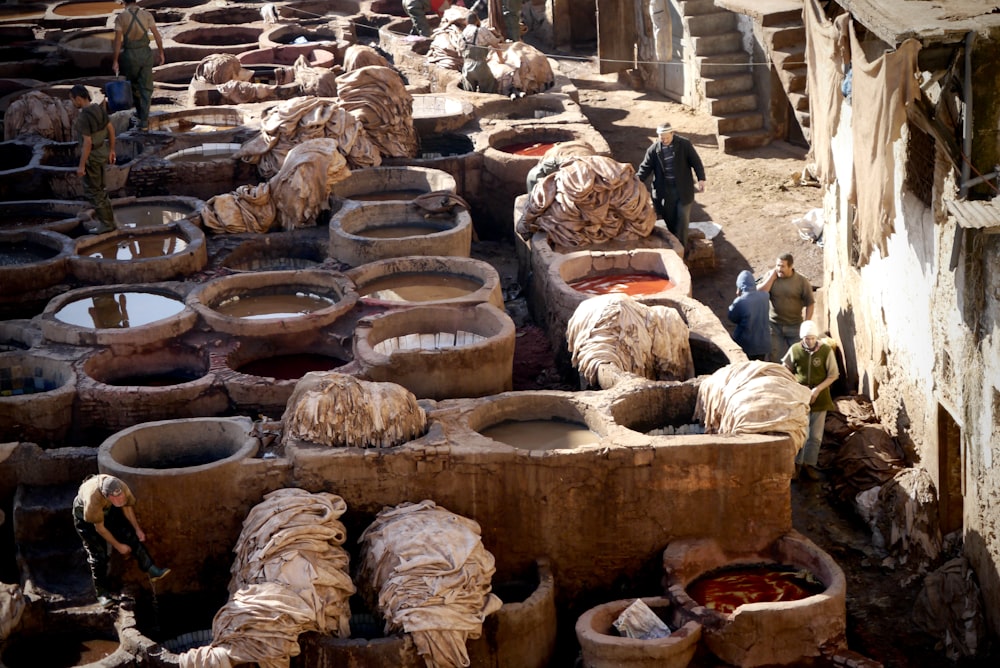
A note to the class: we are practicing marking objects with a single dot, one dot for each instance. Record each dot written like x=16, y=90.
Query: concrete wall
x=921, y=341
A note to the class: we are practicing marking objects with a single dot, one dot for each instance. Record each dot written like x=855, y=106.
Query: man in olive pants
x=133, y=27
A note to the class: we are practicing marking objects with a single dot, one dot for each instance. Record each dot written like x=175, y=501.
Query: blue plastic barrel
x=119, y=94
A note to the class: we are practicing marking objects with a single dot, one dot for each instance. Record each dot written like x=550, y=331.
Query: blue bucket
x=119, y=94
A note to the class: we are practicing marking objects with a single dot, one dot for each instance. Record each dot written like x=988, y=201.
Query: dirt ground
x=754, y=196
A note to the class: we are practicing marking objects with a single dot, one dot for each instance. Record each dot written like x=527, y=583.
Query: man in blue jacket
x=671, y=160
x=750, y=313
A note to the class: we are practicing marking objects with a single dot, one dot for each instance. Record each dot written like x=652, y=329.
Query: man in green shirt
x=97, y=137
x=792, y=303
x=814, y=365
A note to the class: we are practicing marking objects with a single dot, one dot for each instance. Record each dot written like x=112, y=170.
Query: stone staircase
x=724, y=78
x=50, y=556
x=784, y=36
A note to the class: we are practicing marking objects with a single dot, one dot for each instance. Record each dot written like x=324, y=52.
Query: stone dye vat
x=36, y=398
x=449, y=152
x=274, y=303
x=513, y=151
x=89, y=49
x=392, y=183
x=47, y=214
x=369, y=231
x=768, y=632
x=278, y=251
x=206, y=122
x=197, y=42
x=553, y=107
x=207, y=468
x=604, y=647
x=206, y=169
x=438, y=352
x=141, y=254
x=121, y=316
x=32, y=260
x=538, y=422
x=118, y=390
x=434, y=114
x=131, y=212
x=426, y=280
x=323, y=45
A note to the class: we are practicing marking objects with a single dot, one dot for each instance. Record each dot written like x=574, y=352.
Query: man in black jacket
x=671, y=160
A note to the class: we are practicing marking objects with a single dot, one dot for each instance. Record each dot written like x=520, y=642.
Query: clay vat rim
x=365, y=349
x=108, y=464
x=458, y=223
x=521, y=406
x=365, y=274
x=63, y=332
x=99, y=355
x=689, y=632
x=528, y=132
x=193, y=236
x=68, y=387
x=63, y=252
x=670, y=260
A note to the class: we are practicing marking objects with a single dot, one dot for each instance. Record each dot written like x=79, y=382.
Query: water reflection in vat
x=138, y=247
x=145, y=215
x=119, y=310
x=726, y=589
x=288, y=305
x=635, y=283
x=420, y=287
x=24, y=253
x=541, y=434
x=290, y=367
x=388, y=195
x=400, y=231
x=86, y=8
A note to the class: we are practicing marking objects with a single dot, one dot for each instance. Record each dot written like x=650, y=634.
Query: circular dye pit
x=201, y=121
x=638, y=273
x=379, y=184
x=603, y=647
x=36, y=398
x=532, y=107
x=59, y=650
x=274, y=302
x=227, y=16
x=279, y=251
x=435, y=114
x=196, y=43
x=94, y=8
x=209, y=152
x=439, y=352
x=365, y=232
x=424, y=280
x=532, y=421
x=634, y=284
x=726, y=589
x=56, y=215
x=32, y=260
x=513, y=151
x=117, y=390
x=89, y=48
x=658, y=410
x=152, y=212
x=141, y=254
x=116, y=315
x=179, y=444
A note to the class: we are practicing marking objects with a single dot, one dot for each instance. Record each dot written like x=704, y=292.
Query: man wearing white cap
x=814, y=366
x=671, y=160
x=104, y=512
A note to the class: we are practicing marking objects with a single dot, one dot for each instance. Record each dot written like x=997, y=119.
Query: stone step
x=708, y=45
x=799, y=101
x=721, y=64
x=782, y=17
x=740, y=141
x=727, y=85
x=789, y=58
x=785, y=36
x=711, y=24
x=696, y=7
x=752, y=120
x=795, y=80
x=732, y=104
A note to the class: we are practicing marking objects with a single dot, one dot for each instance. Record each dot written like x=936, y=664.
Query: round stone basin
x=435, y=114
x=155, y=211
x=36, y=398
x=808, y=623
x=363, y=232
x=425, y=280
x=55, y=215
x=274, y=302
x=93, y=8
x=118, y=390
x=32, y=260
x=196, y=43
x=141, y=254
x=638, y=273
x=286, y=55
x=531, y=107
x=89, y=48
x=537, y=421
x=330, y=36
x=604, y=647
x=377, y=184
x=204, y=121
x=226, y=16
x=312, y=9
x=116, y=315
x=439, y=352
x=658, y=410
x=513, y=151
x=179, y=444
x=209, y=152
x=278, y=251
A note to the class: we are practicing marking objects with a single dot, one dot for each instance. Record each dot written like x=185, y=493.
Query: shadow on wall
x=847, y=329
x=977, y=551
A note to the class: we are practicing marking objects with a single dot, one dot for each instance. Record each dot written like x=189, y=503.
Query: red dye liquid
x=627, y=284
x=290, y=367
x=536, y=149
x=724, y=591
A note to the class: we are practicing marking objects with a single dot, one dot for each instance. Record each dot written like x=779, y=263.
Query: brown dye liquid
x=256, y=307
x=637, y=283
x=139, y=247
x=400, y=231
x=86, y=8
x=10, y=15
x=141, y=215
x=290, y=367
x=541, y=434
x=24, y=253
x=536, y=149
x=166, y=379
x=725, y=590
x=420, y=287
x=119, y=310
x=57, y=652
x=388, y=195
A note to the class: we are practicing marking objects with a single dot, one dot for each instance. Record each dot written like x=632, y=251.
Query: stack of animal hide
x=378, y=98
